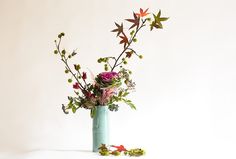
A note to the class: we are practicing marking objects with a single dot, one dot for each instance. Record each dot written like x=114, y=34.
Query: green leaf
x=125, y=94
x=70, y=105
x=129, y=102
x=159, y=14
x=73, y=109
x=92, y=112
x=164, y=18
x=120, y=93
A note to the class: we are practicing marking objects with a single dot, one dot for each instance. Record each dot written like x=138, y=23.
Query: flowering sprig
x=113, y=85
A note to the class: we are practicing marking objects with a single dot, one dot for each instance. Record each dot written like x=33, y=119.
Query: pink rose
x=108, y=76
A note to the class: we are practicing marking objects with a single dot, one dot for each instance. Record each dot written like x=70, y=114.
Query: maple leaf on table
x=124, y=40
x=136, y=21
x=119, y=29
x=119, y=148
x=157, y=20
x=142, y=13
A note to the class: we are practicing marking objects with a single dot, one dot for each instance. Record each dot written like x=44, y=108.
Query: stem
x=133, y=51
x=82, y=78
x=73, y=74
x=64, y=60
x=129, y=43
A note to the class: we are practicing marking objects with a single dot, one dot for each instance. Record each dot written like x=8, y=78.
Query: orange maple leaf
x=142, y=13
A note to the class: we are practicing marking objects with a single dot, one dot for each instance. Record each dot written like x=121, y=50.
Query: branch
x=64, y=60
x=129, y=43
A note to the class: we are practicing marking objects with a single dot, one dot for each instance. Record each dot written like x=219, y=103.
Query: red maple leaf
x=142, y=13
x=124, y=40
x=136, y=21
x=119, y=148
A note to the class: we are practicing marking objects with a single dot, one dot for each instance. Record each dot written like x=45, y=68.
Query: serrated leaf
x=135, y=21
x=119, y=29
x=124, y=40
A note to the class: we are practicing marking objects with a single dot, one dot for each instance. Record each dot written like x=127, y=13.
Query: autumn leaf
x=142, y=13
x=135, y=21
x=119, y=148
x=124, y=40
x=157, y=21
x=155, y=25
x=129, y=54
x=119, y=29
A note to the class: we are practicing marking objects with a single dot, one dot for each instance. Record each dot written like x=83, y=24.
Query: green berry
x=69, y=56
x=135, y=40
x=55, y=51
x=104, y=153
x=125, y=62
x=62, y=34
x=140, y=56
x=63, y=52
x=132, y=32
x=99, y=60
x=66, y=71
x=70, y=80
x=105, y=59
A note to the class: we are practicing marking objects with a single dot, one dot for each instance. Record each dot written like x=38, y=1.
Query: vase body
x=100, y=127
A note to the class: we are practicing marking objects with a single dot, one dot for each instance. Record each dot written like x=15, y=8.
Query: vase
x=100, y=127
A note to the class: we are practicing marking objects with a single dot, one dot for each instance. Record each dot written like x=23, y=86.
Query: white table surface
x=61, y=154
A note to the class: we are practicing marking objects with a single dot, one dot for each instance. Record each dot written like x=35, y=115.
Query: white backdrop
x=185, y=83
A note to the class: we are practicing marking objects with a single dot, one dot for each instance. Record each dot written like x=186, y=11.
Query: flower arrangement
x=114, y=84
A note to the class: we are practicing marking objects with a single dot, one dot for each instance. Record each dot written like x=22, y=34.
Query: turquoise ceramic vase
x=100, y=127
